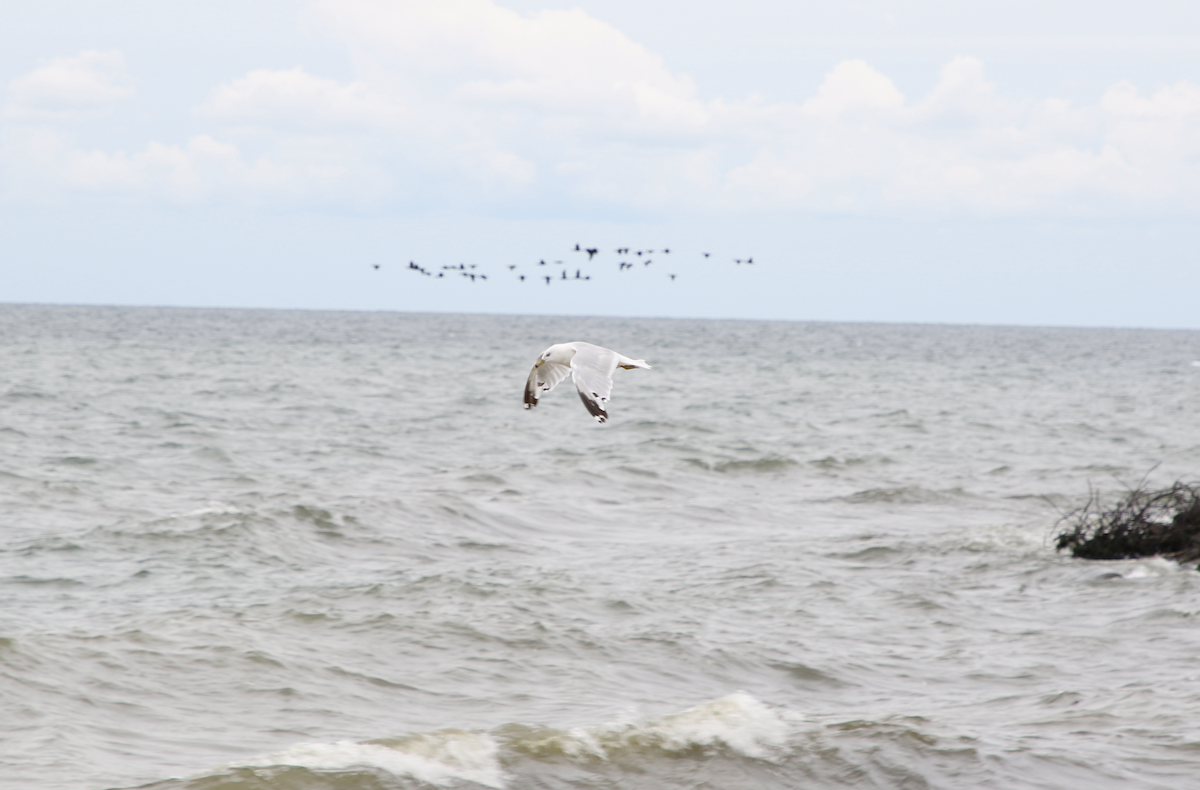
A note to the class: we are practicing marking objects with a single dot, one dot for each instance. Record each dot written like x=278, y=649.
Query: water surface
x=269, y=550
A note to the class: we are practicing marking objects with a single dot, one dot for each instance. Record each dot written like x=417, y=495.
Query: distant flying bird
x=377, y=266
x=522, y=278
x=591, y=367
x=547, y=279
x=592, y=252
x=706, y=255
x=672, y=276
x=512, y=266
x=577, y=248
x=541, y=263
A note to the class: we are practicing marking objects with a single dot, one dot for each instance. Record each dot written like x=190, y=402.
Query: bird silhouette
x=592, y=252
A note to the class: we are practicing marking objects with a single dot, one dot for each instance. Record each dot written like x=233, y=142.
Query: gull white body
x=591, y=367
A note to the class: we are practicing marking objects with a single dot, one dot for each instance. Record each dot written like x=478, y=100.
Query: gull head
x=559, y=353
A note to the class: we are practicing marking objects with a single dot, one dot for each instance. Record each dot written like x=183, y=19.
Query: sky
x=915, y=161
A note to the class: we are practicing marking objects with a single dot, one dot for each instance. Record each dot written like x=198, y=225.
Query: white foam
x=1152, y=567
x=738, y=722
x=442, y=757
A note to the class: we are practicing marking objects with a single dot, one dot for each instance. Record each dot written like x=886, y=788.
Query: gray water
x=265, y=550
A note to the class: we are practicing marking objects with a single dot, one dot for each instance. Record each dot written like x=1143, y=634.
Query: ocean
x=274, y=550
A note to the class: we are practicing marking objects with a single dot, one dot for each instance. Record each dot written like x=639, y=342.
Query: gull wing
x=592, y=368
x=543, y=378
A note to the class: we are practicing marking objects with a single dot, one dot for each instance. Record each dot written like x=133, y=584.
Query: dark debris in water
x=1144, y=523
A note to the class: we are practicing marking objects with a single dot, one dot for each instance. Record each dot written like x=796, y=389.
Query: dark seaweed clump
x=1144, y=523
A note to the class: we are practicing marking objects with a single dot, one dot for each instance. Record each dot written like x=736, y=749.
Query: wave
x=737, y=726
x=738, y=723
x=441, y=758
x=903, y=495
x=768, y=464
x=733, y=741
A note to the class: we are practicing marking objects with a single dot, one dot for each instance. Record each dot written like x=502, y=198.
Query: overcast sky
x=916, y=161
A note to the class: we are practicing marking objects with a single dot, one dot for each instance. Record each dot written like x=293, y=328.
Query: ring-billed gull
x=589, y=365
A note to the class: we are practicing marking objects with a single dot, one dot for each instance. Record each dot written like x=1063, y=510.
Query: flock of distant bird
x=469, y=271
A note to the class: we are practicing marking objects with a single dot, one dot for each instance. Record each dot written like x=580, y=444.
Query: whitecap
x=1152, y=567
x=738, y=723
x=441, y=757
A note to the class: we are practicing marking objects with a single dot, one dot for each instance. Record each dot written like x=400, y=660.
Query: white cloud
x=853, y=86
x=464, y=102
x=963, y=95
x=294, y=99
x=43, y=165
x=69, y=88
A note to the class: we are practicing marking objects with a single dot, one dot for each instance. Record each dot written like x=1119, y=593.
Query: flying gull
x=590, y=366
